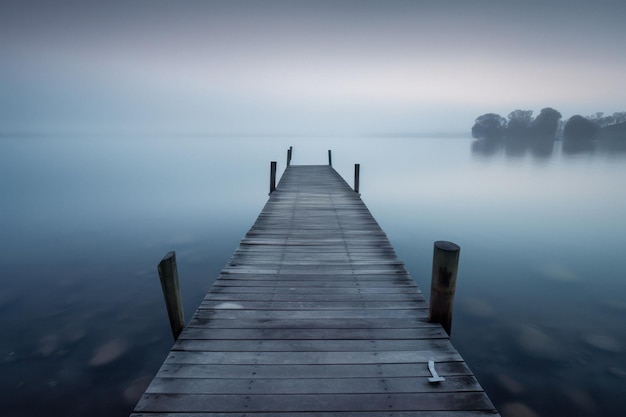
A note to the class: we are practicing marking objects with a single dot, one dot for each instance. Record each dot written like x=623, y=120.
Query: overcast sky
x=296, y=67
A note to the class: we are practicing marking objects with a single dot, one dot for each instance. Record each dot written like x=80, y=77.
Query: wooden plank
x=312, y=358
x=246, y=371
x=308, y=345
x=317, y=402
x=232, y=289
x=338, y=275
x=260, y=386
x=331, y=297
x=314, y=305
x=289, y=323
x=312, y=334
x=413, y=413
x=273, y=333
x=384, y=250
x=315, y=283
x=313, y=314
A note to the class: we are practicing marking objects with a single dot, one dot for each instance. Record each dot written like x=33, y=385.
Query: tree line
x=548, y=124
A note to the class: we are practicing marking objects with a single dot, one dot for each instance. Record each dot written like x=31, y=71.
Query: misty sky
x=296, y=67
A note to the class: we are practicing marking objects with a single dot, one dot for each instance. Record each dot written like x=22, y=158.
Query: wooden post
x=289, y=151
x=272, y=176
x=330, y=158
x=168, y=273
x=357, y=172
x=443, y=284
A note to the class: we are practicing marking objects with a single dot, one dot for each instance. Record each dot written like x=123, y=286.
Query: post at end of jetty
x=289, y=153
x=357, y=174
x=168, y=273
x=272, y=176
x=443, y=284
x=330, y=158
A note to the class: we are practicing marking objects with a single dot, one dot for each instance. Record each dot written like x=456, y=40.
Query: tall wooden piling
x=357, y=174
x=330, y=158
x=168, y=274
x=289, y=153
x=272, y=176
x=443, y=284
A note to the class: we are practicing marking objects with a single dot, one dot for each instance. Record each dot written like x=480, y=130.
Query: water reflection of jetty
x=314, y=313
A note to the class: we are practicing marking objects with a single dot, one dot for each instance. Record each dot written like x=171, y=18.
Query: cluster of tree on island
x=548, y=124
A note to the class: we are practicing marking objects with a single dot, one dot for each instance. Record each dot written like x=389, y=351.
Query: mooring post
x=443, y=284
x=168, y=273
x=357, y=172
x=289, y=152
x=272, y=176
x=330, y=158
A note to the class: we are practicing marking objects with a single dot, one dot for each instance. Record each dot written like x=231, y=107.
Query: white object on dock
x=433, y=372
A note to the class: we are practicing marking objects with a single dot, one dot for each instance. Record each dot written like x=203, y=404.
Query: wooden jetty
x=315, y=316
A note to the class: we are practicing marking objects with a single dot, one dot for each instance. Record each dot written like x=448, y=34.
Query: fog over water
x=540, y=299
x=295, y=67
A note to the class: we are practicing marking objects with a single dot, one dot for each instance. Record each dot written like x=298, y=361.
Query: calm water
x=540, y=302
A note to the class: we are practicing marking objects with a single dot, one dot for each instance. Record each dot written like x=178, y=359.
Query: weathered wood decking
x=314, y=316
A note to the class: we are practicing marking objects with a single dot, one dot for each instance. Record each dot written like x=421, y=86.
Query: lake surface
x=541, y=298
